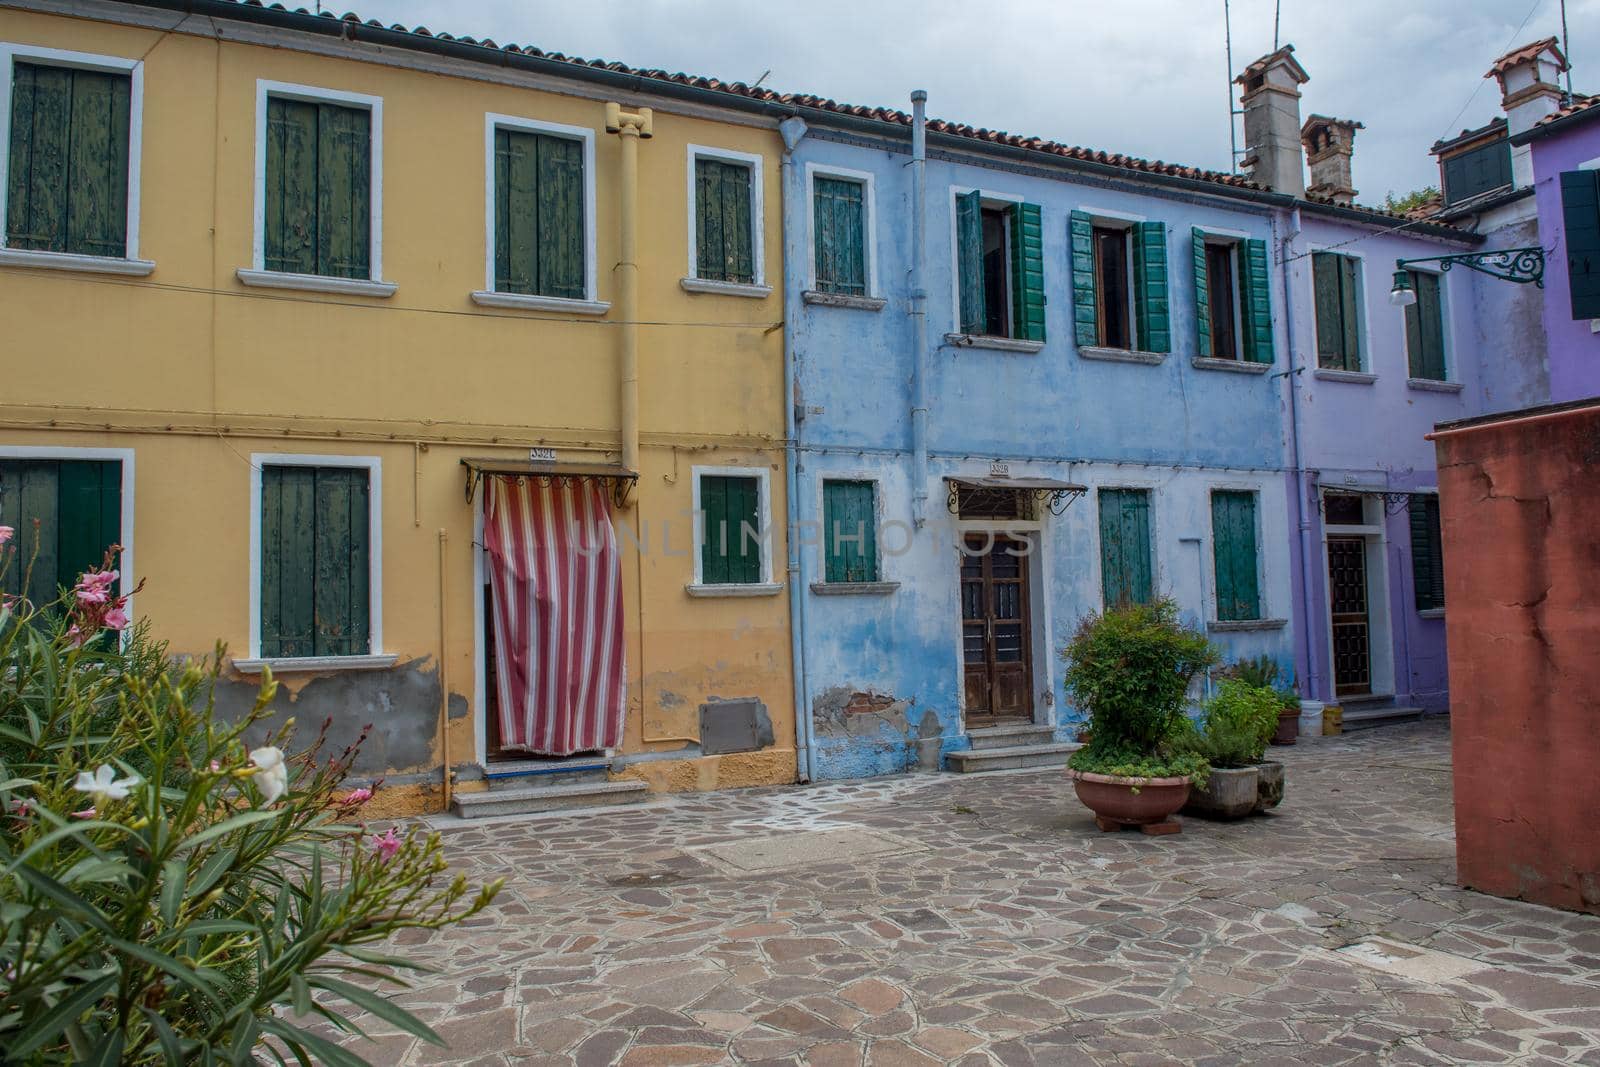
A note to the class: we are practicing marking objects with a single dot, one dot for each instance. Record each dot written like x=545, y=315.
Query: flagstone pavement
x=984, y=920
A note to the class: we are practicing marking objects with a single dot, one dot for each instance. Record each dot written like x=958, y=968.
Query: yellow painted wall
x=195, y=372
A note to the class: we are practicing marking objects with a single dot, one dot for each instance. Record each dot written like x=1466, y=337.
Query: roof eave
x=1555, y=126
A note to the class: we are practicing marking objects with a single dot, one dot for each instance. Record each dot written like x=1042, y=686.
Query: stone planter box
x=1269, y=786
x=1229, y=793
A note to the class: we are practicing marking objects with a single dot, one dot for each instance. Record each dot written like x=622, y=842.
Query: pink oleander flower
x=90, y=594
x=86, y=813
x=116, y=618
x=6, y=534
x=356, y=797
x=386, y=846
x=76, y=635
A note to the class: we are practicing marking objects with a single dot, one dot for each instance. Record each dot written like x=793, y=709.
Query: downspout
x=1308, y=687
x=919, y=313
x=447, y=776
x=792, y=129
x=629, y=126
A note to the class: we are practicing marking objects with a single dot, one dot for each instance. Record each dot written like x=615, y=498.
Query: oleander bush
x=169, y=893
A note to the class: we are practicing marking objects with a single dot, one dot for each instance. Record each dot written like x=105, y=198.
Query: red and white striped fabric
x=556, y=583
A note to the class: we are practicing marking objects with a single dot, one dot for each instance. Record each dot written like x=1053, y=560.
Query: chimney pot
x=1530, y=83
x=1329, y=144
x=1270, y=98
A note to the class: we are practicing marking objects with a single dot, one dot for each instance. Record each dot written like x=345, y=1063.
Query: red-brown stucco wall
x=1520, y=510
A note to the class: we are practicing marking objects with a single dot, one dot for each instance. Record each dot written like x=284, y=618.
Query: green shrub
x=1131, y=668
x=1235, y=726
x=169, y=895
x=1263, y=672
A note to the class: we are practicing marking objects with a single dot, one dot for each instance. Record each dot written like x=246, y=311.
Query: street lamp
x=1519, y=265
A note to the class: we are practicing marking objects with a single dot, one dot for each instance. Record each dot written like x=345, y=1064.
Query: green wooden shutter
x=1233, y=544
x=1427, y=553
x=1080, y=234
x=1152, y=322
x=1256, y=294
x=560, y=218
x=728, y=554
x=1350, y=312
x=317, y=218
x=1338, y=312
x=315, y=561
x=68, y=181
x=1580, y=211
x=1125, y=558
x=723, y=228
x=289, y=227
x=1202, y=293
x=839, y=221
x=1027, y=273
x=1425, y=328
x=849, y=519
x=78, y=507
x=516, y=222
x=969, y=260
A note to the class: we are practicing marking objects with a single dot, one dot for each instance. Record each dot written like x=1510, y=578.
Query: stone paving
x=984, y=920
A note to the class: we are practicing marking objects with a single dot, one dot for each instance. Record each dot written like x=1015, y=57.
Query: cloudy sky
x=1144, y=77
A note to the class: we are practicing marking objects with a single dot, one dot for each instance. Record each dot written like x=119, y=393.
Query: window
x=1425, y=328
x=318, y=573
x=1125, y=556
x=731, y=545
x=850, y=521
x=1427, y=553
x=1344, y=509
x=1222, y=301
x=1119, y=284
x=71, y=181
x=1580, y=211
x=1000, y=268
x=725, y=217
x=1479, y=171
x=1336, y=281
x=840, y=226
x=1233, y=308
x=1233, y=544
x=319, y=191
x=539, y=229
x=78, y=507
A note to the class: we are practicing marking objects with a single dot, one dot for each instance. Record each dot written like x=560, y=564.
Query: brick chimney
x=1530, y=83
x=1329, y=144
x=1270, y=96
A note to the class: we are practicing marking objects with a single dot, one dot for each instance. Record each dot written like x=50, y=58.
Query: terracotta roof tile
x=1577, y=106
x=1525, y=53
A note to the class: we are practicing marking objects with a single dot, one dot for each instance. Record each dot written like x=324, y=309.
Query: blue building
x=1066, y=394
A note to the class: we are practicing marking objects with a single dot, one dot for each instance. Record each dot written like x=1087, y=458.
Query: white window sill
x=731, y=589
x=531, y=302
x=854, y=588
x=22, y=257
x=997, y=344
x=1428, y=385
x=1234, y=366
x=292, y=664
x=315, y=283
x=707, y=285
x=1244, y=625
x=1121, y=355
x=1355, y=377
x=1431, y=613
x=843, y=300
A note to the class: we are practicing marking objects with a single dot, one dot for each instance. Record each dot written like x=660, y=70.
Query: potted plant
x=1130, y=668
x=1232, y=736
x=1263, y=672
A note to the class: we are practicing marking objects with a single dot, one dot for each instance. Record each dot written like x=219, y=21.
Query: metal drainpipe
x=919, y=313
x=629, y=126
x=792, y=129
x=1309, y=685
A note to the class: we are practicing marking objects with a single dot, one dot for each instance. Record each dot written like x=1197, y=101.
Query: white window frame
x=489, y=296
x=1449, y=383
x=257, y=273
x=375, y=656
x=692, y=282
x=1363, y=333
x=869, y=225
x=129, y=263
x=767, y=586
x=125, y=582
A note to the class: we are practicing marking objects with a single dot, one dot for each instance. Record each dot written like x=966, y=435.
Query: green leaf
x=383, y=1008
x=187, y=975
x=108, y=1052
x=226, y=826
x=59, y=893
x=48, y=1028
x=299, y=995
x=321, y=1048
x=170, y=1047
x=173, y=873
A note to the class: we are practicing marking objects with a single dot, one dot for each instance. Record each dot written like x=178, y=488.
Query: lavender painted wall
x=1574, y=344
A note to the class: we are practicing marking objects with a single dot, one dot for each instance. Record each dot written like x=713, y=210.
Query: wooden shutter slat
x=714, y=516
x=1125, y=557
x=1202, y=292
x=290, y=212
x=1234, y=553
x=710, y=239
x=1329, y=310
x=41, y=222
x=344, y=187
x=1425, y=328
x=1427, y=553
x=30, y=495
x=1256, y=292
x=561, y=229
x=744, y=529
x=1580, y=210
x=97, y=215
x=969, y=260
x=738, y=223
x=1350, y=312
x=1027, y=272
x=330, y=591
x=849, y=513
x=1152, y=322
x=1080, y=234
x=840, y=238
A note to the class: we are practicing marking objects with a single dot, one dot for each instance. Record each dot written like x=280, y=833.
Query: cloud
x=1143, y=77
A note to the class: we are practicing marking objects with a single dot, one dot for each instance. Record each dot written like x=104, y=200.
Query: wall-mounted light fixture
x=1520, y=265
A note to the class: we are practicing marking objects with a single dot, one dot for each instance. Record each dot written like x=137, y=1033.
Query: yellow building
x=284, y=295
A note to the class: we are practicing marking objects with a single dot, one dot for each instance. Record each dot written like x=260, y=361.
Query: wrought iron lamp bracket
x=1519, y=265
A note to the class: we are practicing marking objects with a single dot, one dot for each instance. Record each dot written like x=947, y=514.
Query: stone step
x=976, y=761
x=1365, y=716
x=547, y=798
x=525, y=773
x=1010, y=736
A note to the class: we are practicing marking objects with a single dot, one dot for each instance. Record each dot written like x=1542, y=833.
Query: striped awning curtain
x=556, y=585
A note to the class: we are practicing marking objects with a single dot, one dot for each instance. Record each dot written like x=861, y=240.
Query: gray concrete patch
x=761, y=854
x=1410, y=961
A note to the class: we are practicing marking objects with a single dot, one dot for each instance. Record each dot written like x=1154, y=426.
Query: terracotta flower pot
x=1288, y=726
x=1148, y=803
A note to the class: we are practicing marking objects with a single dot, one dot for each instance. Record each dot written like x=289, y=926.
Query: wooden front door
x=1352, y=637
x=995, y=631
